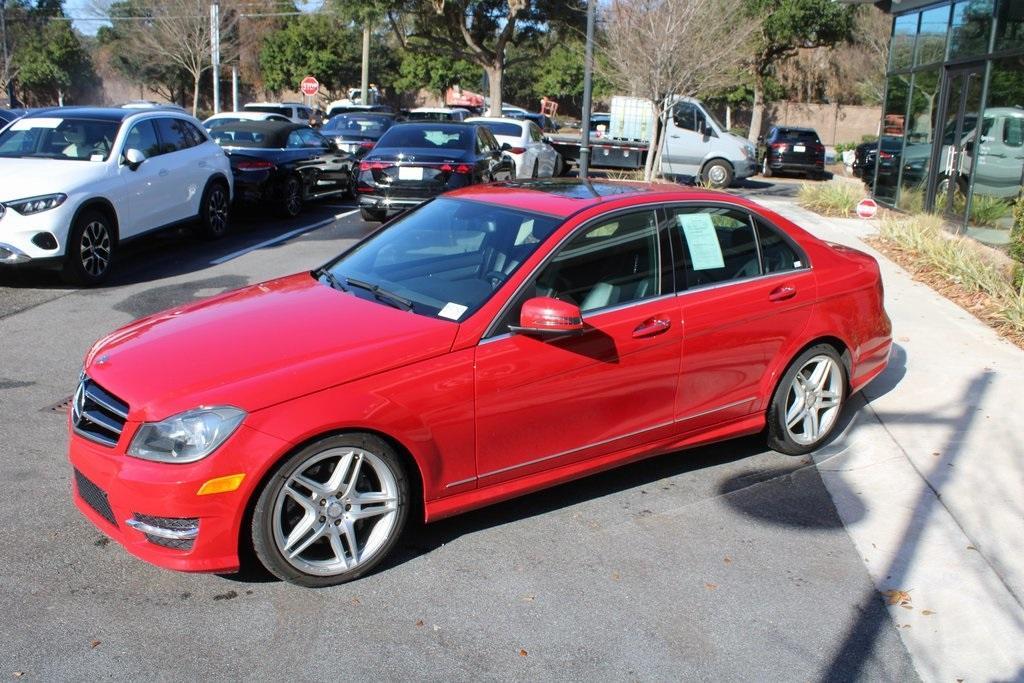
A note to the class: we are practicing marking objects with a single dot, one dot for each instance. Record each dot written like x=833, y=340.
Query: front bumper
x=118, y=488
x=17, y=233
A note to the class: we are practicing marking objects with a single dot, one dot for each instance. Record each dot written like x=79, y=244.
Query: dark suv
x=793, y=150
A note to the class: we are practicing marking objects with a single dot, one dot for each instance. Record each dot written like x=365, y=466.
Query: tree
x=785, y=27
x=481, y=31
x=52, y=63
x=436, y=72
x=16, y=24
x=317, y=45
x=660, y=49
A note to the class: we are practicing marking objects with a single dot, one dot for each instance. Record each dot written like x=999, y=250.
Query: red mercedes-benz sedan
x=492, y=342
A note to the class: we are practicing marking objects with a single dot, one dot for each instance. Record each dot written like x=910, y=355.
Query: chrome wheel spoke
x=315, y=487
x=349, y=530
x=304, y=526
x=795, y=411
x=302, y=499
x=828, y=399
x=338, y=548
x=313, y=537
x=338, y=477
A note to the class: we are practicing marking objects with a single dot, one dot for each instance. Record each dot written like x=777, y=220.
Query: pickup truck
x=696, y=145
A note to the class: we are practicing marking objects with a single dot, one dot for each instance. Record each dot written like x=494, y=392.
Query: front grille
x=94, y=497
x=172, y=543
x=98, y=415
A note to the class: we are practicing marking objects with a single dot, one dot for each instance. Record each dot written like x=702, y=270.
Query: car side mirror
x=544, y=316
x=133, y=158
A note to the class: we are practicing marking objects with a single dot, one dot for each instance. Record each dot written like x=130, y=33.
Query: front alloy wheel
x=90, y=249
x=807, y=403
x=332, y=511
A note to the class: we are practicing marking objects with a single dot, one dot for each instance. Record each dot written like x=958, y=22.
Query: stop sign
x=867, y=208
x=309, y=86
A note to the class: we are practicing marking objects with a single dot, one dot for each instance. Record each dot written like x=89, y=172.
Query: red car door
x=746, y=299
x=543, y=403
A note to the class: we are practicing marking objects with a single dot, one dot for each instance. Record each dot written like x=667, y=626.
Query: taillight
x=366, y=144
x=884, y=155
x=254, y=166
x=461, y=169
x=516, y=150
x=778, y=146
x=374, y=165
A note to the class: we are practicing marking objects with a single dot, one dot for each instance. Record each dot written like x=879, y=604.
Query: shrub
x=1016, y=249
x=835, y=198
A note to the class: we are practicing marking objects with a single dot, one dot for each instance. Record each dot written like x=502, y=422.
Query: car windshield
x=446, y=258
x=510, y=129
x=427, y=137
x=59, y=138
x=371, y=126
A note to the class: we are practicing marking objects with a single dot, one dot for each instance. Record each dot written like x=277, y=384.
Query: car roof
x=563, y=197
x=267, y=127
x=495, y=119
x=114, y=114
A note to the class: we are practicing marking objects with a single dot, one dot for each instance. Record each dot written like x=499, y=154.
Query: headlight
x=32, y=205
x=187, y=437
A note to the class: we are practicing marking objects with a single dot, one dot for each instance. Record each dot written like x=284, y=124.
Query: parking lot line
x=277, y=240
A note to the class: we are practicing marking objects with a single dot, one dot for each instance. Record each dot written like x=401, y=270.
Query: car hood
x=258, y=346
x=33, y=177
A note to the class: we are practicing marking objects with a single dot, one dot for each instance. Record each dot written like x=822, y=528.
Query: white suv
x=80, y=181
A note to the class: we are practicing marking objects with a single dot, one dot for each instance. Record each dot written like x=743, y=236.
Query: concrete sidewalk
x=929, y=479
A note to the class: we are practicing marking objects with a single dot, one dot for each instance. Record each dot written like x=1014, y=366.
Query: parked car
x=356, y=133
x=533, y=156
x=79, y=182
x=437, y=114
x=151, y=104
x=8, y=115
x=284, y=165
x=293, y=111
x=413, y=162
x=789, y=149
x=866, y=154
x=543, y=121
x=493, y=342
x=229, y=117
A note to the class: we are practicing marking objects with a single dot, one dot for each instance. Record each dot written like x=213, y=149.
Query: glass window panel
x=931, y=41
x=904, y=33
x=999, y=154
x=918, y=138
x=893, y=126
x=972, y=24
x=1010, y=25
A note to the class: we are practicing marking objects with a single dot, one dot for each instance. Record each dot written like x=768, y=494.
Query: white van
x=697, y=145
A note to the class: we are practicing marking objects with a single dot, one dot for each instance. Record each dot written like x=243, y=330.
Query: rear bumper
x=797, y=166
x=389, y=203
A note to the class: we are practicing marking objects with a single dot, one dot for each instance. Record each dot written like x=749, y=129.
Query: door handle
x=649, y=328
x=782, y=293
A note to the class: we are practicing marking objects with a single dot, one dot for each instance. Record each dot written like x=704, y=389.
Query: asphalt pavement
x=730, y=562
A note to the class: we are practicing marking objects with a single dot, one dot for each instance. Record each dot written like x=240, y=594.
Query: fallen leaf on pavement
x=94, y=644
x=927, y=612
x=711, y=586
x=904, y=339
x=896, y=597
x=727, y=560
x=616, y=576
x=419, y=622
x=523, y=653
x=971, y=547
x=356, y=601
x=19, y=674
x=529, y=598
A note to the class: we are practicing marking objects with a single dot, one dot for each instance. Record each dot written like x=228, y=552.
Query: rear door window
x=174, y=135
x=713, y=245
x=778, y=254
x=142, y=136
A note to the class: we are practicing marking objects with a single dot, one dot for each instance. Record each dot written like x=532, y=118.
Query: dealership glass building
x=953, y=120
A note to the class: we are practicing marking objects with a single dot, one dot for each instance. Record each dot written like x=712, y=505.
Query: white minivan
x=80, y=181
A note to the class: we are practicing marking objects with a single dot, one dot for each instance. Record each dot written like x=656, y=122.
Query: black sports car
x=413, y=162
x=866, y=154
x=284, y=164
x=357, y=133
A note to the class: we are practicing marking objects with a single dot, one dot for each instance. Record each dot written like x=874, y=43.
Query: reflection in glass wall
x=931, y=40
x=999, y=154
x=904, y=32
x=893, y=124
x=920, y=134
x=972, y=25
x=1010, y=26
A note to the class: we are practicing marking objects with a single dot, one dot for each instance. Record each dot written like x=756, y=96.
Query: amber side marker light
x=221, y=485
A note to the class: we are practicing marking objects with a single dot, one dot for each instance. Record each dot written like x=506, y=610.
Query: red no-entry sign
x=867, y=208
x=309, y=86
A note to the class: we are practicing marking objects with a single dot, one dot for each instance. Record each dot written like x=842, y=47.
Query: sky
x=84, y=8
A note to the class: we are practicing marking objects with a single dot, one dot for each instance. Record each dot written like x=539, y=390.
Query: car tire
x=560, y=168
x=372, y=215
x=793, y=428
x=90, y=249
x=290, y=200
x=717, y=174
x=215, y=211
x=536, y=168
x=314, y=529
x=766, y=170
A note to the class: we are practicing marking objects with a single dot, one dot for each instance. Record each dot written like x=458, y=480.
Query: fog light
x=45, y=240
x=178, y=533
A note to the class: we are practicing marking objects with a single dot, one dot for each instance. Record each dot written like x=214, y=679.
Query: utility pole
x=215, y=52
x=588, y=77
x=234, y=87
x=365, y=84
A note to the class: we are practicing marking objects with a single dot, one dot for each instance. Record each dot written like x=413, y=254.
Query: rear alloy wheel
x=372, y=215
x=90, y=250
x=214, y=214
x=807, y=402
x=291, y=198
x=536, y=168
x=332, y=511
x=766, y=170
x=717, y=174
